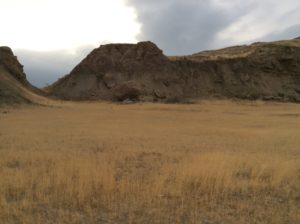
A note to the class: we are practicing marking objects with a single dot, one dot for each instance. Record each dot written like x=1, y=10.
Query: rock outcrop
x=14, y=87
x=118, y=71
x=9, y=62
x=268, y=71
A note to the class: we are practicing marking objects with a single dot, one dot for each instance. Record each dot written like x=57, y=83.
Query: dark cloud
x=43, y=68
x=183, y=27
x=188, y=26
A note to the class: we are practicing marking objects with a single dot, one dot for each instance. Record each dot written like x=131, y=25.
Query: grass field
x=209, y=163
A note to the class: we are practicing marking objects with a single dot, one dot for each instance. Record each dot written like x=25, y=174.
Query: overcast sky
x=51, y=36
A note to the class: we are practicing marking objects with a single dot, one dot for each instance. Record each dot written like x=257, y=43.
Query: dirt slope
x=269, y=71
x=14, y=87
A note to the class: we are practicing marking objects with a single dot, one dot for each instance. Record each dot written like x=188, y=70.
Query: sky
x=51, y=36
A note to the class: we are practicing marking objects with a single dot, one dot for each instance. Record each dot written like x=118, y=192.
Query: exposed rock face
x=130, y=90
x=14, y=87
x=117, y=71
x=269, y=71
x=10, y=62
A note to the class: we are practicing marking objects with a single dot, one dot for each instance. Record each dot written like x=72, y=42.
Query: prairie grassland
x=210, y=162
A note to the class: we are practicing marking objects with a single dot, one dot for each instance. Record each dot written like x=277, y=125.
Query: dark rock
x=109, y=80
x=10, y=62
x=158, y=94
x=128, y=91
x=14, y=86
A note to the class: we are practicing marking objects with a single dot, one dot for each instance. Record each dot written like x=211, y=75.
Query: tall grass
x=89, y=182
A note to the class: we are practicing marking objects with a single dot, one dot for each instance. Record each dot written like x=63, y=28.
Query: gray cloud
x=288, y=33
x=182, y=27
x=44, y=68
x=188, y=26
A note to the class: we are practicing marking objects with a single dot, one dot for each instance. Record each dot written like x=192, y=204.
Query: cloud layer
x=47, y=25
x=44, y=68
x=187, y=26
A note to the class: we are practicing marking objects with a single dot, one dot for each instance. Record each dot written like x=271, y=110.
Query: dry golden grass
x=210, y=162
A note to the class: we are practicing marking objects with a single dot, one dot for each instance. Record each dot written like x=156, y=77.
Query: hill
x=268, y=71
x=14, y=87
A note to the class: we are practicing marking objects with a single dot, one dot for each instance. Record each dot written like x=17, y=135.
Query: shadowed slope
x=14, y=87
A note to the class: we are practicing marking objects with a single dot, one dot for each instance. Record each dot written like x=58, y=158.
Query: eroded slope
x=14, y=87
x=269, y=71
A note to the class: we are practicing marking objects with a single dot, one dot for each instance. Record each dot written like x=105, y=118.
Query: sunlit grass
x=217, y=162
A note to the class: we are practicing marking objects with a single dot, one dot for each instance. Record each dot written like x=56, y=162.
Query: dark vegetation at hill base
x=141, y=72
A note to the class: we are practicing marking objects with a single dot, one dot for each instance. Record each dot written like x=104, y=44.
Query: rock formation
x=14, y=87
x=118, y=71
x=268, y=71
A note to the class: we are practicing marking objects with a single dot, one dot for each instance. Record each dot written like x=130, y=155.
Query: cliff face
x=9, y=62
x=269, y=71
x=14, y=87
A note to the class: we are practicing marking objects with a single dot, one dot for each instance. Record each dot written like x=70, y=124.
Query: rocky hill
x=268, y=71
x=14, y=87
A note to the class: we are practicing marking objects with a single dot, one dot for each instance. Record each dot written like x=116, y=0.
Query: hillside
x=14, y=87
x=119, y=72
x=268, y=71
